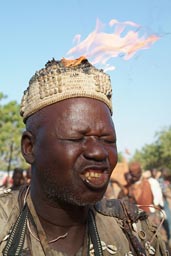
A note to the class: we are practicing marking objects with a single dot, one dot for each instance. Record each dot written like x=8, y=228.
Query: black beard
x=65, y=196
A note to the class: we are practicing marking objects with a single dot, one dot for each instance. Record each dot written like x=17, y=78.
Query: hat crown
x=65, y=79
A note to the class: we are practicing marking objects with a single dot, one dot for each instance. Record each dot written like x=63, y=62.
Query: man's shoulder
x=133, y=222
x=8, y=200
x=8, y=193
x=9, y=210
x=4, y=191
x=120, y=209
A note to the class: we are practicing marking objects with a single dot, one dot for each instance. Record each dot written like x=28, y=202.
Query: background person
x=138, y=188
x=17, y=179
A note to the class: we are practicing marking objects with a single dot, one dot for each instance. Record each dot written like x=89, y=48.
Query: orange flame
x=73, y=63
x=125, y=41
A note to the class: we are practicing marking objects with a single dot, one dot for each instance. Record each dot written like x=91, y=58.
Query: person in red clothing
x=138, y=188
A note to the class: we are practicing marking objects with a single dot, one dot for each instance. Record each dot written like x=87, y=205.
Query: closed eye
x=76, y=139
x=108, y=140
x=72, y=139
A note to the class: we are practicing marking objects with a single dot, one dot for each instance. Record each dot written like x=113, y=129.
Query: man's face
x=75, y=151
x=136, y=175
x=17, y=179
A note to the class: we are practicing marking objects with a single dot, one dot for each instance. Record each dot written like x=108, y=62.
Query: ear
x=27, y=147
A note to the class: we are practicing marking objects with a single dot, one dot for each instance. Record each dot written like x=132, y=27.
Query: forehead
x=78, y=112
x=17, y=174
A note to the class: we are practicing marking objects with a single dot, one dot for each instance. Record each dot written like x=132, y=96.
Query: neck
x=61, y=219
x=59, y=213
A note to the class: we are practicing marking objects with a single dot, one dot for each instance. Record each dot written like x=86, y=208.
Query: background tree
x=11, y=128
x=120, y=157
x=157, y=154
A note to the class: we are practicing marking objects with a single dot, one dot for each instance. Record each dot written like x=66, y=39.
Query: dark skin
x=67, y=143
x=18, y=180
x=136, y=175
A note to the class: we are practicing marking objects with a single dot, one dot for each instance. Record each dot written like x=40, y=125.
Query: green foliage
x=157, y=154
x=11, y=128
x=120, y=157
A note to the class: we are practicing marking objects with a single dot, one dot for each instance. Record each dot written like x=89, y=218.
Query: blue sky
x=33, y=32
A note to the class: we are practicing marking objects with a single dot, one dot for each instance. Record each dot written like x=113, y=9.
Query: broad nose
x=95, y=150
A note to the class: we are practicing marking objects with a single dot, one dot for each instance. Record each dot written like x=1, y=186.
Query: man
x=138, y=188
x=70, y=143
x=18, y=179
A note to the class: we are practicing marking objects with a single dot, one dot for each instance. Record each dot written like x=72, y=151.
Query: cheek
x=57, y=157
x=64, y=155
x=113, y=157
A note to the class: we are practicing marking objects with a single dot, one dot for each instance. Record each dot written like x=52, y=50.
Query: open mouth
x=95, y=178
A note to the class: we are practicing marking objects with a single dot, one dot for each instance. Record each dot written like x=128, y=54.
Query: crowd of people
x=151, y=191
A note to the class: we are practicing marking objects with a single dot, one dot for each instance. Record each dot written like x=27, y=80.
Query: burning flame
x=73, y=63
x=126, y=39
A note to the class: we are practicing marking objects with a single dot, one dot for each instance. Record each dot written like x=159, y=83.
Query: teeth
x=87, y=175
x=96, y=175
x=92, y=175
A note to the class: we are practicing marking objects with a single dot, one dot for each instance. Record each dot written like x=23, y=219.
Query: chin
x=84, y=201
x=68, y=199
x=66, y=196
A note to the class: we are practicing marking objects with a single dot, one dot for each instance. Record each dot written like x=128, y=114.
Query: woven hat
x=65, y=79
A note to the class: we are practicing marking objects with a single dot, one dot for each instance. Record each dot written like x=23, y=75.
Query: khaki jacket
x=112, y=235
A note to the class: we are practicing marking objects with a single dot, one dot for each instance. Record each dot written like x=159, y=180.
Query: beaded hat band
x=65, y=79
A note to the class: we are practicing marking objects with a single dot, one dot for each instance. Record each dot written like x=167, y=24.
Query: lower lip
x=96, y=183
